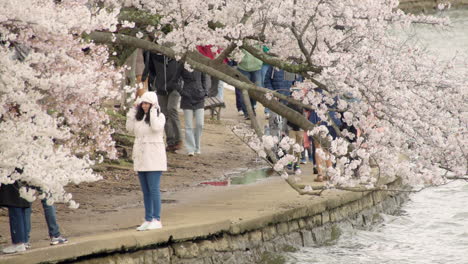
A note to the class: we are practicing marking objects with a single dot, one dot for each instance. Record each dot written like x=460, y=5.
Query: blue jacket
x=274, y=80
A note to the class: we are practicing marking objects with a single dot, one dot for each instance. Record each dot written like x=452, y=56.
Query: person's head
x=145, y=103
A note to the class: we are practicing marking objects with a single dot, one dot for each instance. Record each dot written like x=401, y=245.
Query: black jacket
x=195, y=90
x=10, y=197
x=163, y=73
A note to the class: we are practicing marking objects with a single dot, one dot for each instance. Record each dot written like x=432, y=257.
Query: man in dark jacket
x=164, y=77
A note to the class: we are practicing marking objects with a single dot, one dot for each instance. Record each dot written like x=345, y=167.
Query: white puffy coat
x=149, y=151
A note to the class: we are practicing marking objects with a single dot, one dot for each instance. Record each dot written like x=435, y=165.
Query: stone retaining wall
x=246, y=243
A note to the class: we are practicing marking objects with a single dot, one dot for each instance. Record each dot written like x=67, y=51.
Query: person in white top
x=146, y=121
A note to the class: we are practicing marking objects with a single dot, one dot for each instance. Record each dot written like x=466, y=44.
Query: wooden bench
x=214, y=104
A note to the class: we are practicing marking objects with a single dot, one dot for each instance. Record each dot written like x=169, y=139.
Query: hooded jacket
x=195, y=89
x=163, y=73
x=149, y=151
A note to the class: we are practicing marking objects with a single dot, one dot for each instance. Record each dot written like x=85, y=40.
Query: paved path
x=197, y=212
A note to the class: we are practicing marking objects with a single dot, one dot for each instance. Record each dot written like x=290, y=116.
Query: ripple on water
x=428, y=231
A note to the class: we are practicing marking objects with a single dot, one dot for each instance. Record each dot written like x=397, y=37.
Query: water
x=433, y=226
x=242, y=178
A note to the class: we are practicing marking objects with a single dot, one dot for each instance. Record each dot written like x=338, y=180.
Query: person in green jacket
x=251, y=67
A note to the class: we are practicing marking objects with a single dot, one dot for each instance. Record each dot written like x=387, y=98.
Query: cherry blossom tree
x=409, y=106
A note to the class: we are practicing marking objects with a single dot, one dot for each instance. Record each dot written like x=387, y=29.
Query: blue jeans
x=256, y=78
x=220, y=95
x=19, y=224
x=50, y=217
x=239, y=100
x=263, y=70
x=150, y=181
x=193, y=133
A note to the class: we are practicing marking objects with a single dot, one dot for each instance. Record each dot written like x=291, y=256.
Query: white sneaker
x=14, y=248
x=240, y=113
x=198, y=152
x=144, y=226
x=191, y=154
x=155, y=224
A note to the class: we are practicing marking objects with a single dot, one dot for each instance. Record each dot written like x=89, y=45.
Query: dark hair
x=141, y=113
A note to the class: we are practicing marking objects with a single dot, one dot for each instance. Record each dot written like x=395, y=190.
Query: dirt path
x=104, y=205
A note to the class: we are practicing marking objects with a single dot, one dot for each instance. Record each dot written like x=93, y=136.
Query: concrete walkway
x=197, y=213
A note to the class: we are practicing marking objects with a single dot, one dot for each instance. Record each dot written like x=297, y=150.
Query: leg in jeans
x=51, y=219
x=143, y=176
x=263, y=71
x=199, y=122
x=220, y=95
x=239, y=100
x=173, y=132
x=189, y=130
x=27, y=218
x=18, y=225
x=255, y=78
x=153, y=178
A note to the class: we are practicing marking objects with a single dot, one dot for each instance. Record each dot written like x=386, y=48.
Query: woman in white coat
x=149, y=154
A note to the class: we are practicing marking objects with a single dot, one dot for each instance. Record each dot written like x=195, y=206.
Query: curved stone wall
x=264, y=240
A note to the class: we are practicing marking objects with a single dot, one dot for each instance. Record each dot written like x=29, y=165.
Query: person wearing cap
x=146, y=122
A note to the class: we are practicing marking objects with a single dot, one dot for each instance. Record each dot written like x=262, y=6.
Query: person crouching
x=146, y=121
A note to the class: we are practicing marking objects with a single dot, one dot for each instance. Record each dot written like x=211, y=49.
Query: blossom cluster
x=53, y=85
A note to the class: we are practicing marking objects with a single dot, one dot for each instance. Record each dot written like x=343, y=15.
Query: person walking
x=147, y=122
x=250, y=67
x=196, y=85
x=164, y=77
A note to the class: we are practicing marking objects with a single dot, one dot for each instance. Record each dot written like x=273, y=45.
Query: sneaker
x=58, y=240
x=267, y=115
x=155, y=224
x=191, y=154
x=198, y=152
x=290, y=166
x=303, y=161
x=143, y=226
x=240, y=113
x=28, y=245
x=15, y=248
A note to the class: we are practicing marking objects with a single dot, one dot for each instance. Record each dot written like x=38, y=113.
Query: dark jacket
x=195, y=90
x=163, y=73
x=314, y=118
x=10, y=197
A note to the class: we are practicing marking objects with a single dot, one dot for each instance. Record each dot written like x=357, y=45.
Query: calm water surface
x=433, y=226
